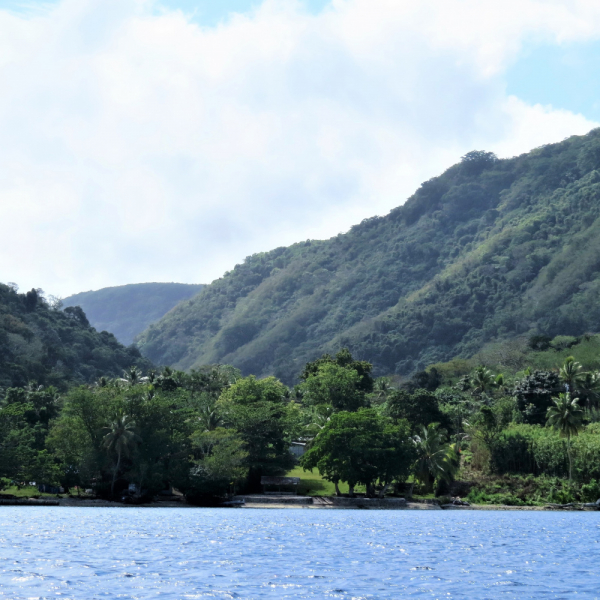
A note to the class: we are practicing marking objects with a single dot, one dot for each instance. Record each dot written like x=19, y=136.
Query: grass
x=312, y=484
x=28, y=491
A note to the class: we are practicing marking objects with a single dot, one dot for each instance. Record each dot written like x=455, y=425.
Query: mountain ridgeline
x=43, y=345
x=127, y=310
x=488, y=250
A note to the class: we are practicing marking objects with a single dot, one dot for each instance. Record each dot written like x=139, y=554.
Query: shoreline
x=295, y=502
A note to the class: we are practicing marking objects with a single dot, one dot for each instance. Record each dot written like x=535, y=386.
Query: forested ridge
x=44, y=345
x=489, y=250
x=126, y=310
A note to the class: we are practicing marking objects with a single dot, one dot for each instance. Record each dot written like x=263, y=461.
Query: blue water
x=234, y=553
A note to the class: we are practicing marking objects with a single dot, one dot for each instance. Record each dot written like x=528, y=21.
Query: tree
x=381, y=388
x=482, y=380
x=571, y=374
x=589, y=388
x=220, y=463
x=334, y=385
x=476, y=161
x=360, y=448
x=394, y=455
x=428, y=380
x=259, y=410
x=71, y=444
x=566, y=416
x=435, y=458
x=133, y=376
x=418, y=408
x=316, y=418
x=345, y=360
x=534, y=394
x=119, y=440
x=209, y=417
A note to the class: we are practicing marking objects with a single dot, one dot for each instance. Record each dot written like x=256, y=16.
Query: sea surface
x=59, y=552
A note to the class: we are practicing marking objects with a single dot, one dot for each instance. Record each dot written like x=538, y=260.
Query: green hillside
x=127, y=310
x=489, y=250
x=48, y=346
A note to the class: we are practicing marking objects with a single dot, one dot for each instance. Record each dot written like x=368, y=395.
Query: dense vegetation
x=515, y=437
x=43, y=344
x=489, y=250
x=127, y=310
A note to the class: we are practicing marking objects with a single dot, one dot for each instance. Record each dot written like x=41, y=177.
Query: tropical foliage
x=42, y=343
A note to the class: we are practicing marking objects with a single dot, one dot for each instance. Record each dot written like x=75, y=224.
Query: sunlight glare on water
x=143, y=553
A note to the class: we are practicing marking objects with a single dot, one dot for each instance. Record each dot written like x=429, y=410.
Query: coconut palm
x=320, y=415
x=381, y=389
x=500, y=383
x=571, y=374
x=133, y=376
x=482, y=380
x=119, y=440
x=436, y=458
x=102, y=382
x=566, y=416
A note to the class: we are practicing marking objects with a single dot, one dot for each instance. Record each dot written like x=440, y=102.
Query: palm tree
x=482, y=380
x=133, y=376
x=319, y=416
x=571, y=374
x=436, y=458
x=381, y=388
x=102, y=382
x=209, y=418
x=566, y=416
x=119, y=439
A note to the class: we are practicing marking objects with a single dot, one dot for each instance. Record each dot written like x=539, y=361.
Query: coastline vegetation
x=485, y=433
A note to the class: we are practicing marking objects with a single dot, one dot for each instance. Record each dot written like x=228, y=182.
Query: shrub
x=590, y=492
x=541, y=451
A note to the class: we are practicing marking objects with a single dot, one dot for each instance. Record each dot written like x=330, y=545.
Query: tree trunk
x=383, y=490
x=569, y=455
x=337, y=489
x=351, y=491
x=116, y=471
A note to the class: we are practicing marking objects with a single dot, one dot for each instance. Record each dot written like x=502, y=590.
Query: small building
x=298, y=448
x=290, y=483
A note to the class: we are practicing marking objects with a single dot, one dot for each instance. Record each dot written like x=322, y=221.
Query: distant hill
x=50, y=346
x=127, y=310
x=490, y=249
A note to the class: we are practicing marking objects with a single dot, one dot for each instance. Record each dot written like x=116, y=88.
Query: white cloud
x=142, y=147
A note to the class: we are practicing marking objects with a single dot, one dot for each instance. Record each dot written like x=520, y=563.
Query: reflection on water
x=254, y=554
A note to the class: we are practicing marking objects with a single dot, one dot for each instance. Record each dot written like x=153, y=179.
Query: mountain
x=488, y=250
x=49, y=346
x=127, y=310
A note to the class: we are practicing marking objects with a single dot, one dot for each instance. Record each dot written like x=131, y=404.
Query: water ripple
x=133, y=553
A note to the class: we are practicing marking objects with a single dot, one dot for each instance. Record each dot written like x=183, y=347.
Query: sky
x=147, y=140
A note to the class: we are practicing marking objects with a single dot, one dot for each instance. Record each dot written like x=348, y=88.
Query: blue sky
x=210, y=12
x=168, y=149
x=206, y=12
x=565, y=76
